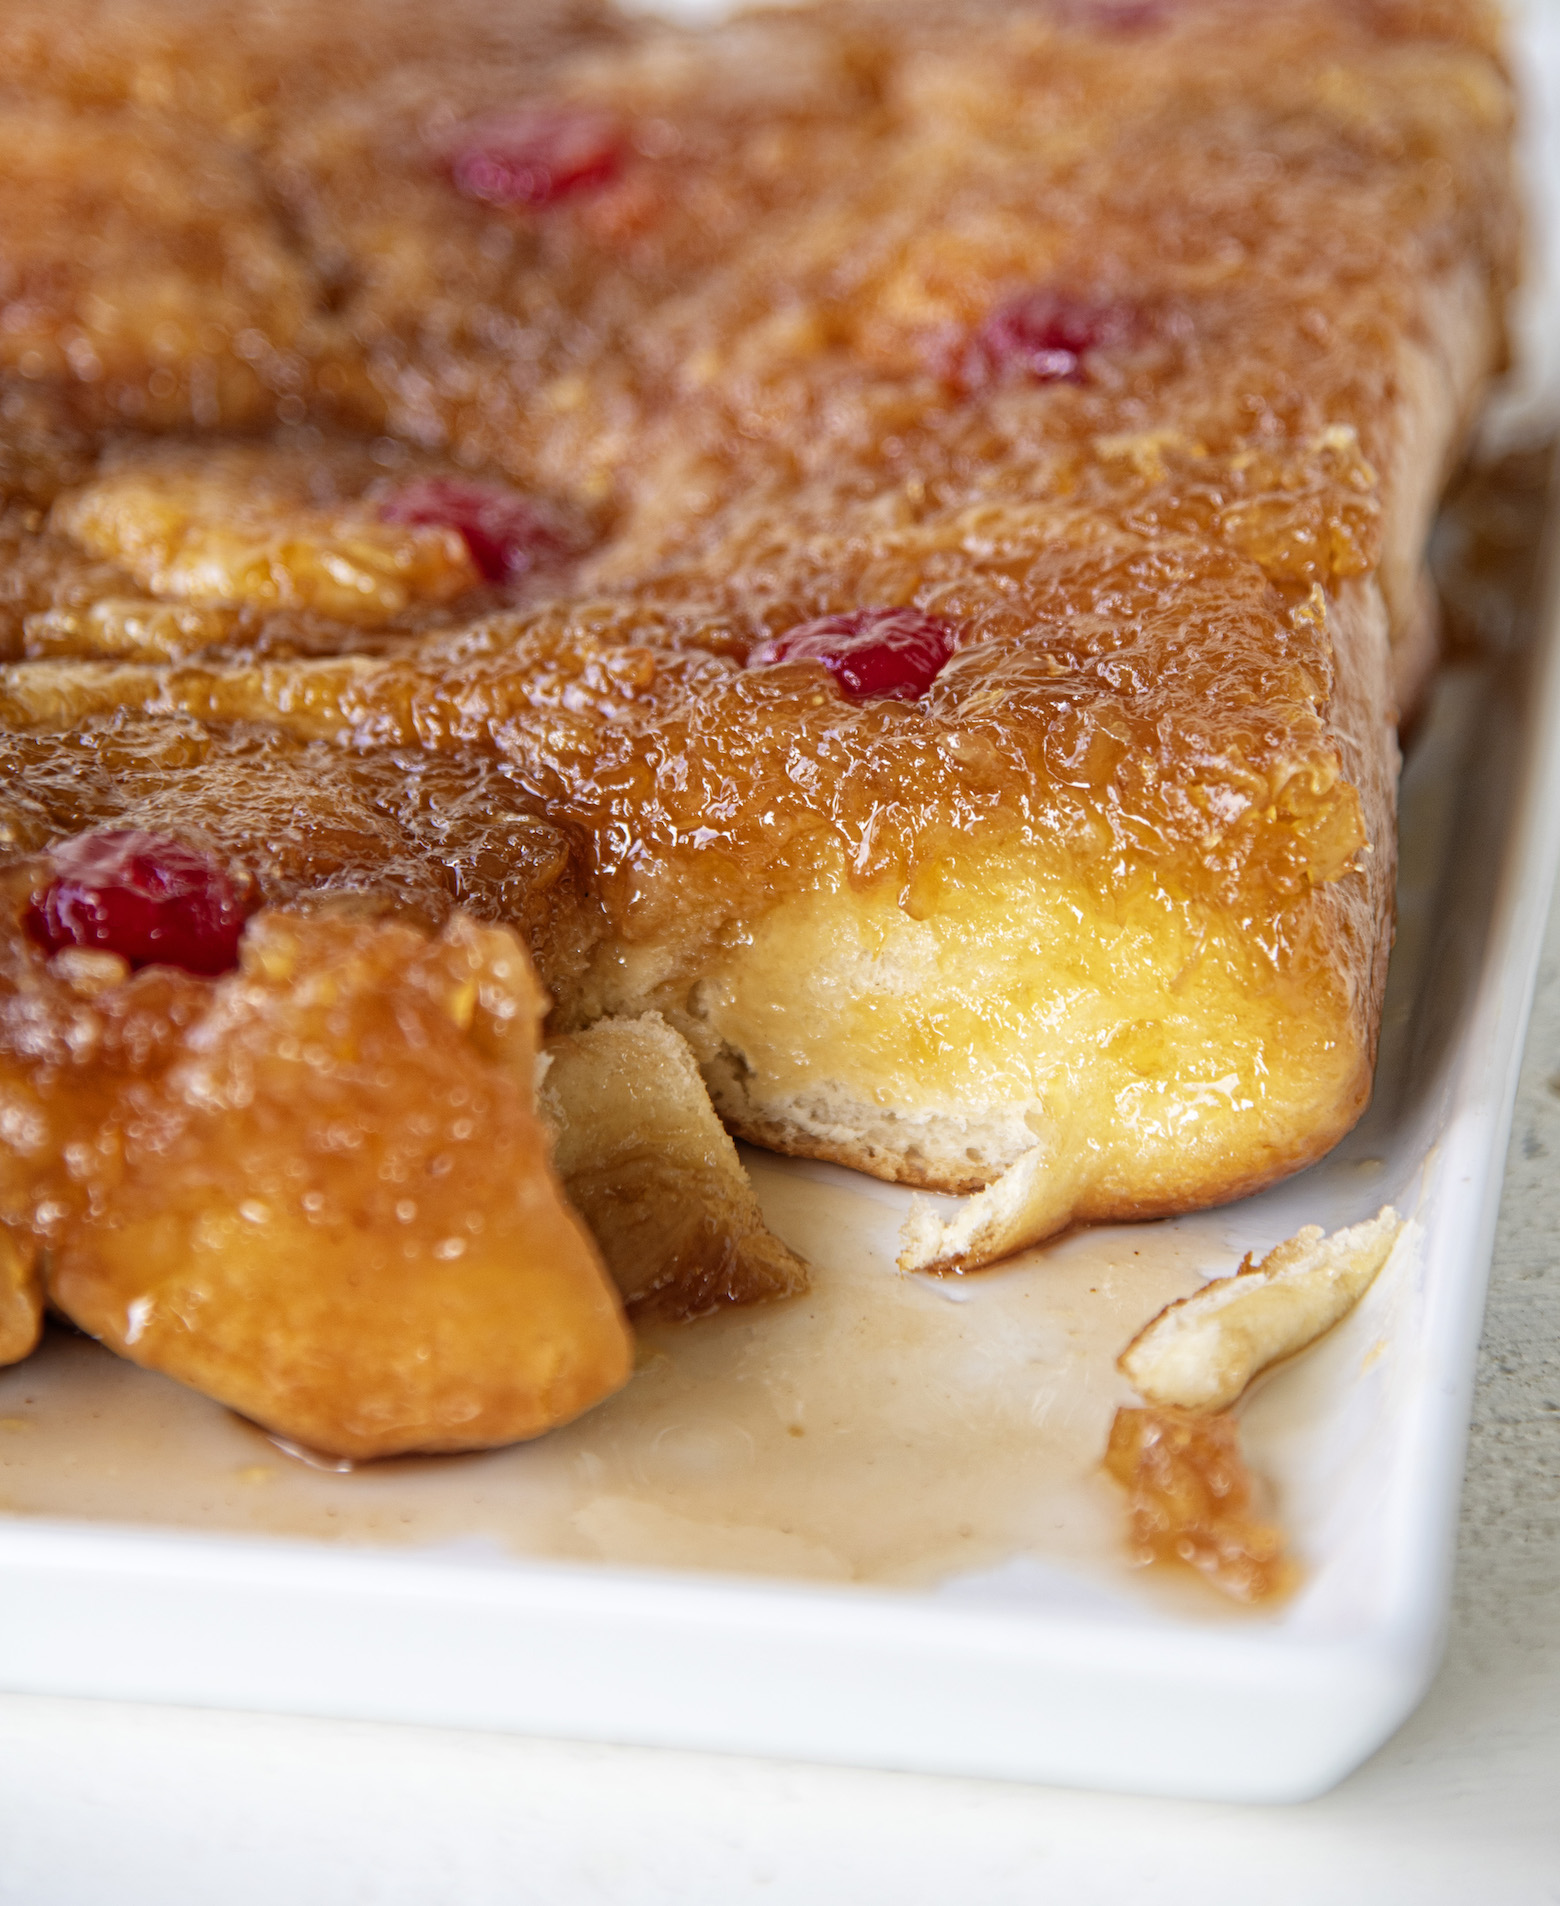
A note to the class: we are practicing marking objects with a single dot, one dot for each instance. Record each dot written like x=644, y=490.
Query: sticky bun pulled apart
x=882, y=544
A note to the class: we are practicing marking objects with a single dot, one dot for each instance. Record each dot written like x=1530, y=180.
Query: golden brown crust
x=315, y=1188
x=363, y=838
x=1109, y=906
x=310, y=825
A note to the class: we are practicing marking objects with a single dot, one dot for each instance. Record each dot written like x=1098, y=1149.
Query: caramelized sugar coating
x=1112, y=697
x=231, y=67
x=42, y=450
x=1082, y=737
x=142, y=324
x=811, y=218
x=535, y=336
x=397, y=833
x=199, y=301
x=314, y=1189
x=768, y=307
x=158, y=550
x=1135, y=359
x=1190, y=1500
x=385, y=831
x=229, y=528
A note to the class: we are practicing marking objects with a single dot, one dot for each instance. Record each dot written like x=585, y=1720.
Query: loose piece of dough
x=1032, y=1199
x=1200, y=1353
x=650, y=1168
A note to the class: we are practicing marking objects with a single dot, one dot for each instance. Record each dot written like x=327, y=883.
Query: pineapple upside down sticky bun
x=915, y=511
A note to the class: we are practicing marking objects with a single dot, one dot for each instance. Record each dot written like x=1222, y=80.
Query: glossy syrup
x=882, y=1428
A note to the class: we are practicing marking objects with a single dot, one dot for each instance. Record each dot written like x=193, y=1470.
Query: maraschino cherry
x=506, y=534
x=1125, y=17
x=147, y=897
x=873, y=654
x=531, y=158
x=1045, y=335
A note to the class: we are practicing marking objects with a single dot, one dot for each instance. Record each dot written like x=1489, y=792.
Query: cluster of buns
x=881, y=542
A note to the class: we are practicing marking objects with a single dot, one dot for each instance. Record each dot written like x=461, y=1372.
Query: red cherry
x=537, y=156
x=506, y=533
x=1045, y=335
x=1123, y=16
x=150, y=899
x=873, y=654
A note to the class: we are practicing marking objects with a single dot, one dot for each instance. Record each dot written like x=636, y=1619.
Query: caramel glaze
x=1190, y=1501
x=1118, y=702
x=174, y=547
x=315, y=1188
x=745, y=363
x=812, y=211
x=397, y=831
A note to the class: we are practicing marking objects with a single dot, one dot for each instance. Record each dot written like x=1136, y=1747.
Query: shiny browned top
x=751, y=364
x=393, y=830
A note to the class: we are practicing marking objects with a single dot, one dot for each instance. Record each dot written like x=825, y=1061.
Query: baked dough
x=649, y=1167
x=1129, y=346
x=314, y=1188
x=375, y=839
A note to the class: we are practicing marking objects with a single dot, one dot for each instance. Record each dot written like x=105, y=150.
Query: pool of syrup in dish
x=881, y=1428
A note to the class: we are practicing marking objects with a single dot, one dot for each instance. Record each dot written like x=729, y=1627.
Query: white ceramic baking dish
x=870, y=1527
